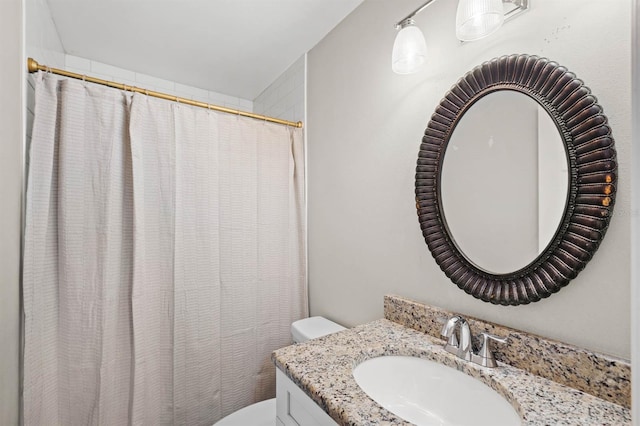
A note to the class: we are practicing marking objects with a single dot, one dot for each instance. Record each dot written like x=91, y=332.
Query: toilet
x=264, y=413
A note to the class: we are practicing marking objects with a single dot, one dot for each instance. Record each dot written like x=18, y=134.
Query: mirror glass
x=504, y=182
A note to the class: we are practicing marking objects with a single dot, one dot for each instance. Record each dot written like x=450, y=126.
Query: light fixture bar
x=414, y=13
x=519, y=6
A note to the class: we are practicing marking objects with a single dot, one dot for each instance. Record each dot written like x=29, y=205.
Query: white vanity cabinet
x=295, y=408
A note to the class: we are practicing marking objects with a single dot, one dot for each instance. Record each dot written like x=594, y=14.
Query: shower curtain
x=164, y=258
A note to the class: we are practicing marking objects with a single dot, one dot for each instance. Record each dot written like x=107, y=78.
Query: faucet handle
x=486, y=354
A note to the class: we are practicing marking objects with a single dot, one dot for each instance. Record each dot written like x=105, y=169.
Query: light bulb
x=409, y=49
x=476, y=19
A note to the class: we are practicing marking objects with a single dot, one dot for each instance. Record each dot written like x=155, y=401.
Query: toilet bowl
x=264, y=413
x=259, y=414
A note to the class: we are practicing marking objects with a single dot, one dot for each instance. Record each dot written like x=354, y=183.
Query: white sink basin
x=428, y=393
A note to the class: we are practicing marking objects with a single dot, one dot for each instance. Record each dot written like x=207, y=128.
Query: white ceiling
x=236, y=47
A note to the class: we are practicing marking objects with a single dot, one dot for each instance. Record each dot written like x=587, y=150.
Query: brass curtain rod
x=34, y=66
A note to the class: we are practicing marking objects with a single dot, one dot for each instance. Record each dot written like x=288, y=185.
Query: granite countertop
x=323, y=369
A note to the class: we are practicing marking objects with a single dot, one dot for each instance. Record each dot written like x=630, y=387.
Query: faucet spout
x=458, y=334
x=449, y=328
x=464, y=340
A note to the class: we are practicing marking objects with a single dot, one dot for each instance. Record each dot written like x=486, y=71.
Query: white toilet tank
x=312, y=328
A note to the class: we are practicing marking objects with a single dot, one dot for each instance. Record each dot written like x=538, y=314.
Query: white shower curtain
x=163, y=261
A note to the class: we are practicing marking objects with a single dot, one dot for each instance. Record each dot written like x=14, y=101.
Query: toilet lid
x=258, y=414
x=312, y=328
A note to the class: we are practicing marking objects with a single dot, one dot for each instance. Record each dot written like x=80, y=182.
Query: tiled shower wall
x=121, y=75
x=131, y=78
x=285, y=97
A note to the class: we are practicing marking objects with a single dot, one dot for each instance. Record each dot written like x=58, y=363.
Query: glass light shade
x=476, y=19
x=409, y=50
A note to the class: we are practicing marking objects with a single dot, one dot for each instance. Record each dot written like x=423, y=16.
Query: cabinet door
x=295, y=408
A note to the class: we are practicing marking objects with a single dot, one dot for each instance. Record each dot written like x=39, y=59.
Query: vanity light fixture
x=475, y=19
x=410, y=49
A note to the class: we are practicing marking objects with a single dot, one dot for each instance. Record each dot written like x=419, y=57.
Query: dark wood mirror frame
x=592, y=168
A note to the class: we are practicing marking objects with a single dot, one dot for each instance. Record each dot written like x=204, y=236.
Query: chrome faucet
x=460, y=345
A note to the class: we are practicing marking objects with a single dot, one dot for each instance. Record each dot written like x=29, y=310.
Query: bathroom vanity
x=562, y=385
x=296, y=408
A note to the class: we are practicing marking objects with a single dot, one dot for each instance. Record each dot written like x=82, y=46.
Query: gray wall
x=11, y=143
x=364, y=128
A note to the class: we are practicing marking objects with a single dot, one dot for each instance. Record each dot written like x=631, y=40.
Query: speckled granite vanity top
x=323, y=369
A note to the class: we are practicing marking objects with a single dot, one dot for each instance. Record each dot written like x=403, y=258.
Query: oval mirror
x=501, y=213
x=513, y=207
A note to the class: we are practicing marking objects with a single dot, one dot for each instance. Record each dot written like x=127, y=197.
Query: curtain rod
x=34, y=66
